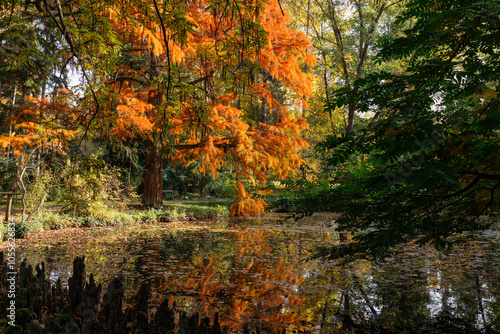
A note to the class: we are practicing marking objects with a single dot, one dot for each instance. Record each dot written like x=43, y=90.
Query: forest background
x=383, y=111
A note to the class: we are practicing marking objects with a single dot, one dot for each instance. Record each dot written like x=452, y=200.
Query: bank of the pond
x=103, y=215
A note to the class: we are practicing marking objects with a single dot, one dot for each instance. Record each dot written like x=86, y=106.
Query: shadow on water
x=260, y=274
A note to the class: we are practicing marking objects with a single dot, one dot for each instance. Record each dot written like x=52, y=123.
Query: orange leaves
x=247, y=279
x=134, y=30
x=139, y=26
x=285, y=48
x=211, y=156
x=153, y=41
x=132, y=116
x=245, y=204
x=277, y=147
x=192, y=107
x=44, y=123
x=253, y=152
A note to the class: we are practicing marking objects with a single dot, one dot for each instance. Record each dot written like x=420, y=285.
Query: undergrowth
x=99, y=214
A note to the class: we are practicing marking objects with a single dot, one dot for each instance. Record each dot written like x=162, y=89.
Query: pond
x=260, y=272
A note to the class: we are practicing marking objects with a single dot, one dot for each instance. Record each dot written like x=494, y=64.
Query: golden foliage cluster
x=213, y=131
x=41, y=123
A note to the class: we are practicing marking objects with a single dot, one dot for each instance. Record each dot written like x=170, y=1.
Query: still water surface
x=260, y=272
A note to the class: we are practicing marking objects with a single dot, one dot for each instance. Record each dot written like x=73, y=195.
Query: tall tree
x=344, y=33
x=186, y=107
x=168, y=73
x=32, y=63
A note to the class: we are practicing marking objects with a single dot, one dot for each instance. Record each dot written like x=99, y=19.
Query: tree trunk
x=350, y=117
x=10, y=126
x=265, y=111
x=153, y=176
x=306, y=69
x=153, y=173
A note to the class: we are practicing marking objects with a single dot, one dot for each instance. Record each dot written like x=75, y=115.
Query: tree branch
x=165, y=40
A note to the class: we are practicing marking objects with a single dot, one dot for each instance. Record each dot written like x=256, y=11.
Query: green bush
x=223, y=187
x=151, y=215
x=38, y=188
x=51, y=220
x=91, y=188
x=100, y=214
x=188, y=179
x=198, y=211
x=3, y=231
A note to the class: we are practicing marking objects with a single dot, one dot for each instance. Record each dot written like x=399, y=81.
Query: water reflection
x=240, y=274
x=262, y=277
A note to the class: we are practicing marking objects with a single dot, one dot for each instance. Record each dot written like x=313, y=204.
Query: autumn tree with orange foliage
x=170, y=75
x=41, y=123
x=181, y=102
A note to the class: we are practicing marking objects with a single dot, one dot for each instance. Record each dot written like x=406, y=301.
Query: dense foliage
x=171, y=77
x=218, y=89
x=400, y=98
x=427, y=166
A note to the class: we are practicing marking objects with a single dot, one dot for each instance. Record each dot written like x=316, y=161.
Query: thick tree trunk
x=153, y=173
x=153, y=176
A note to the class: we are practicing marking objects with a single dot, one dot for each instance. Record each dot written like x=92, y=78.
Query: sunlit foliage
x=212, y=51
x=427, y=166
x=44, y=123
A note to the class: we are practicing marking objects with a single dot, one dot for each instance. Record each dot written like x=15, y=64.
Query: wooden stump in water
x=111, y=313
x=165, y=318
x=140, y=324
x=91, y=299
x=76, y=285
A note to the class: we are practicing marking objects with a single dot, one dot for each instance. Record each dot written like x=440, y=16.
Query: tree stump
x=76, y=285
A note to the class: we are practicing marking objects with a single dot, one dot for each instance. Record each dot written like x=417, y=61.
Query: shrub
x=39, y=188
x=92, y=186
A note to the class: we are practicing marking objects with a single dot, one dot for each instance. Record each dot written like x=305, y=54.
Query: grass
x=100, y=214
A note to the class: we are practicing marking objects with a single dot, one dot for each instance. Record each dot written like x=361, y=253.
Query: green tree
x=344, y=33
x=427, y=167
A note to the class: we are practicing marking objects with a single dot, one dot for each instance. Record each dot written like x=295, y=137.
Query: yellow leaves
x=490, y=94
x=152, y=41
x=486, y=97
x=487, y=94
x=29, y=127
x=177, y=53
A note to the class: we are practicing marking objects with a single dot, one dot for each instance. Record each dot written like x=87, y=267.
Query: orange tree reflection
x=245, y=286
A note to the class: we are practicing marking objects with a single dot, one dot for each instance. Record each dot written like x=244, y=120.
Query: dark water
x=260, y=273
